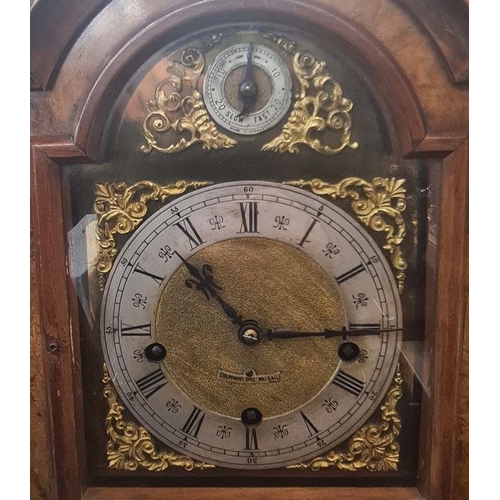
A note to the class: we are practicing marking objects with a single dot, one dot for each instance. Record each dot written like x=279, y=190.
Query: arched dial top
x=201, y=319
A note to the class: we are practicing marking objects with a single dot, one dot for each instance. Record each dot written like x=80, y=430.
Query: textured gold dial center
x=273, y=284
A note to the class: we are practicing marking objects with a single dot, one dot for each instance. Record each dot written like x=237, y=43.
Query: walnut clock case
x=249, y=226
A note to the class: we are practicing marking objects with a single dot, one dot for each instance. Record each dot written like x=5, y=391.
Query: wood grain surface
x=461, y=479
x=252, y=494
x=40, y=464
x=448, y=330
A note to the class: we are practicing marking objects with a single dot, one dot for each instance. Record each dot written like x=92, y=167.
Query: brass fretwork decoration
x=319, y=107
x=130, y=446
x=178, y=107
x=285, y=44
x=121, y=207
x=373, y=447
x=377, y=204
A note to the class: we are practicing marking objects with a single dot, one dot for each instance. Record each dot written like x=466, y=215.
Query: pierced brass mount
x=378, y=204
x=319, y=107
x=130, y=446
x=373, y=447
x=120, y=208
x=177, y=107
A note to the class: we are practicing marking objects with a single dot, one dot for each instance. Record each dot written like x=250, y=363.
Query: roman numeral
x=186, y=226
x=310, y=426
x=135, y=330
x=348, y=383
x=193, y=423
x=141, y=270
x=249, y=213
x=350, y=274
x=304, y=239
x=151, y=383
x=251, y=439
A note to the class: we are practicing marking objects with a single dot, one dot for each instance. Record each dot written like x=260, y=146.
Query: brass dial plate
x=222, y=228
x=266, y=280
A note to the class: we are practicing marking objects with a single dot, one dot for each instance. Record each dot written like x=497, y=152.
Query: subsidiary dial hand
x=248, y=88
x=287, y=334
x=204, y=281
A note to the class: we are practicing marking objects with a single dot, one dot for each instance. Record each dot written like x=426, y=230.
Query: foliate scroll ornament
x=130, y=446
x=373, y=447
x=285, y=44
x=120, y=208
x=320, y=117
x=177, y=110
x=378, y=204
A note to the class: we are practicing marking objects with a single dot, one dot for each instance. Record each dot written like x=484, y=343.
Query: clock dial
x=247, y=88
x=251, y=325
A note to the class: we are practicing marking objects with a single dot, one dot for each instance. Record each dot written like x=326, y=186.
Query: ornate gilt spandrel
x=378, y=204
x=284, y=43
x=121, y=207
x=374, y=447
x=130, y=446
x=320, y=117
x=177, y=109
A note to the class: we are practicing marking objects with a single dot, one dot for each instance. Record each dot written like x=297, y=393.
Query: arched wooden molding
x=396, y=99
x=447, y=24
x=383, y=38
x=54, y=27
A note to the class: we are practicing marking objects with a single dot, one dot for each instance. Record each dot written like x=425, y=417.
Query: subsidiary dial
x=247, y=88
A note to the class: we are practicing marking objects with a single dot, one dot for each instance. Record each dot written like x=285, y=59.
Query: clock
x=251, y=325
x=248, y=221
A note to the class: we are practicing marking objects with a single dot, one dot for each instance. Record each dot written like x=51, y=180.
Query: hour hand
x=203, y=280
x=229, y=311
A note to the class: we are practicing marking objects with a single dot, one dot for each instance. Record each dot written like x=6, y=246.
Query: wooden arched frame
x=72, y=130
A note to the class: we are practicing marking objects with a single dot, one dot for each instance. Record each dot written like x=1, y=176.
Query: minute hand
x=287, y=334
x=247, y=88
